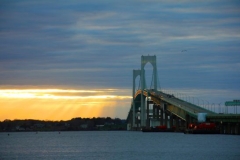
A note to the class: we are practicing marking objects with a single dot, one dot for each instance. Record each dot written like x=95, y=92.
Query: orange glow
x=59, y=104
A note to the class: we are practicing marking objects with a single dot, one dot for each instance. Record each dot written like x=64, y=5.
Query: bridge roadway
x=186, y=111
x=174, y=105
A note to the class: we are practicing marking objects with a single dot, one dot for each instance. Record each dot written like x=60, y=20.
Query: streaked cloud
x=56, y=104
x=89, y=44
x=62, y=94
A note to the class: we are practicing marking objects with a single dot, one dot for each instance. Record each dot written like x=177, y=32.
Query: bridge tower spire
x=144, y=61
x=153, y=62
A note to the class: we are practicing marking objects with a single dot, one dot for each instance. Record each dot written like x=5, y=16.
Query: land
x=75, y=124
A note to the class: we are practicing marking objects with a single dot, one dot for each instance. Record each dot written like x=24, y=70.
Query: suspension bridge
x=153, y=107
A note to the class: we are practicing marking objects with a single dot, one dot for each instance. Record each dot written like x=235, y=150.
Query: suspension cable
x=151, y=81
x=139, y=83
x=158, y=81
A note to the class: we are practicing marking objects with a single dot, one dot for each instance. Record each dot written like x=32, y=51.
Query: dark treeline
x=75, y=124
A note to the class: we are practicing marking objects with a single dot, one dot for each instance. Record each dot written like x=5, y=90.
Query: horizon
x=60, y=120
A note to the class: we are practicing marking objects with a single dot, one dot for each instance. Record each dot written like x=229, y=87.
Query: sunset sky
x=65, y=59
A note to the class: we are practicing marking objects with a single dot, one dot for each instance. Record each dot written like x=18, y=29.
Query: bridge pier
x=222, y=129
x=182, y=123
x=154, y=112
x=181, y=126
x=147, y=120
x=143, y=112
x=177, y=123
x=165, y=118
x=154, y=119
x=171, y=120
x=133, y=115
x=230, y=128
x=161, y=118
x=158, y=112
x=165, y=114
x=190, y=120
x=236, y=129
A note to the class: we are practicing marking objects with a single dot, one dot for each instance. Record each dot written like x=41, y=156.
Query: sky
x=65, y=59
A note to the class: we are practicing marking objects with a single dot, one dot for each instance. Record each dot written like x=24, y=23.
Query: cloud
x=56, y=104
x=98, y=44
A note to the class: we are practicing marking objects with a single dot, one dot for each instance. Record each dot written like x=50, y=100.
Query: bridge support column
x=138, y=121
x=177, y=123
x=188, y=119
x=130, y=122
x=143, y=112
x=224, y=128
x=181, y=123
x=171, y=121
x=165, y=115
x=228, y=130
x=154, y=116
x=161, y=118
x=165, y=118
x=148, y=120
x=135, y=74
x=238, y=129
x=221, y=127
x=134, y=115
x=158, y=112
x=153, y=112
x=232, y=129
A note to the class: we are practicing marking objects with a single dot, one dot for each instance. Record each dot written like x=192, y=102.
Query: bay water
x=115, y=145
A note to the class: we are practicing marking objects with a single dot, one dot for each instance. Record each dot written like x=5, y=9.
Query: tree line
x=75, y=124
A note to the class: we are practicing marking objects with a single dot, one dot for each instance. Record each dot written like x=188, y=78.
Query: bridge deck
x=181, y=108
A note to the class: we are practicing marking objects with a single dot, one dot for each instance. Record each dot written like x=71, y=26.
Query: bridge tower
x=135, y=74
x=144, y=61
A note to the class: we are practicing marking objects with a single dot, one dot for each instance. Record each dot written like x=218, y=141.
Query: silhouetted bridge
x=152, y=107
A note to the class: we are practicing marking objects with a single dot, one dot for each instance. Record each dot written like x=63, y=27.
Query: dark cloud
x=91, y=43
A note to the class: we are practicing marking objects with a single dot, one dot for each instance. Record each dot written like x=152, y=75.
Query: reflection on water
x=117, y=145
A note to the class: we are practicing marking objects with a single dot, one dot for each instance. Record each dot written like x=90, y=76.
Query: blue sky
x=97, y=44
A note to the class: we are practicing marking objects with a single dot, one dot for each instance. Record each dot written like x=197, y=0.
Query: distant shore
x=75, y=124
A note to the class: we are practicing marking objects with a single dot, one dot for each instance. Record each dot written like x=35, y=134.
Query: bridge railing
x=192, y=100
x=195, y=106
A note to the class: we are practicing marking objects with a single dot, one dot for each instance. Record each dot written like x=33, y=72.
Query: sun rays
x=59, y=104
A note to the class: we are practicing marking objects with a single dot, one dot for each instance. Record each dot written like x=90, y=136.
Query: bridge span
x=152, y=107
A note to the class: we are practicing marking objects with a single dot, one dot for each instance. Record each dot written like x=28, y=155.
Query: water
x=113, y=145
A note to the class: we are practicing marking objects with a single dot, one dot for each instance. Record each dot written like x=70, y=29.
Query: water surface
x=117, y=145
